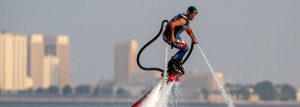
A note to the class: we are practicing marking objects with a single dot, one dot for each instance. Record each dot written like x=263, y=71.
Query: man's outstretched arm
x=191, y=34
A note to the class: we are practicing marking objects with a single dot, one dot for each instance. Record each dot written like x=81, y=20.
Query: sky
x=247, y=40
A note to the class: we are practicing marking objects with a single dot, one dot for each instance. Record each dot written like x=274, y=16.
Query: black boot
x=179, y=67
x=172, y=68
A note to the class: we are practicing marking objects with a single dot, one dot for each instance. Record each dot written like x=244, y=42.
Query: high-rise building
x=37, y=53
x=57, y=50
x=13, y=62
x=51, y=71
x=125, y=60
x=63, y=53
x=6, y=70
x=20, y=61
x=46, y=51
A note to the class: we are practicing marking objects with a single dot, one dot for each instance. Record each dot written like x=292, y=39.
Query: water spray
x=227, y=98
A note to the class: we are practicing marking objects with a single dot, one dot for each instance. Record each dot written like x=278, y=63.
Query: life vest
x=178, y=29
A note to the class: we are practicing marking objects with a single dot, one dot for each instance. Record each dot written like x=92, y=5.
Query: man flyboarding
x=171, y=35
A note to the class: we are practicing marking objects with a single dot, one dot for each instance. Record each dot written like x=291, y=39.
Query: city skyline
x=15, y=50
x=33, y=61
x=249, y=41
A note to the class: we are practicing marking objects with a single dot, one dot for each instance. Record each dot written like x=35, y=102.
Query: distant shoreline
x=115, y=100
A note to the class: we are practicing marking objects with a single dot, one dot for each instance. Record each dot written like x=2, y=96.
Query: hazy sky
x=247, y=40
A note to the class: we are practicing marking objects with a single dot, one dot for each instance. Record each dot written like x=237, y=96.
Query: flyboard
x=165, y=84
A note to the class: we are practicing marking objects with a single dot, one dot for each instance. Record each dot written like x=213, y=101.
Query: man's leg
x=174, y=65
x=171, y=64
x=183, y=48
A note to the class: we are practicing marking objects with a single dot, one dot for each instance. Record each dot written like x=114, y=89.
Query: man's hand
x=173, y=40
x=194, y=40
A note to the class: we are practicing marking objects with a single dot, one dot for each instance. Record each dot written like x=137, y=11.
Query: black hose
x=152, y=40
x=188, y=55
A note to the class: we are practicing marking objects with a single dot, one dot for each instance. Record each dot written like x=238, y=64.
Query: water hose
x=151, y=41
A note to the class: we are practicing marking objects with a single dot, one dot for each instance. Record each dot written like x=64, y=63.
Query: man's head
x=191, y=12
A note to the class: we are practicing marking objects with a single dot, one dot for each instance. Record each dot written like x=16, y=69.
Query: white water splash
x=159, y=95
x=165, y=95
x=153, y=96
x=175, y=94
x=227, y=99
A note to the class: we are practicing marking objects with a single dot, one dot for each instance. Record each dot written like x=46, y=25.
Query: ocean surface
x=124, y=105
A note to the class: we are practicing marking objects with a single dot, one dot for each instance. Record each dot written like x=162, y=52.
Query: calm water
x=123, y=105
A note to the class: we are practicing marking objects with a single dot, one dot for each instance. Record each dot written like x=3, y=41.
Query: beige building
x=13, y=62
x=63, y=54
x=36, y=59
x=6, y=68
x=52, y=56
x=20, y=59
x=125, y=60
x=51, y=71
